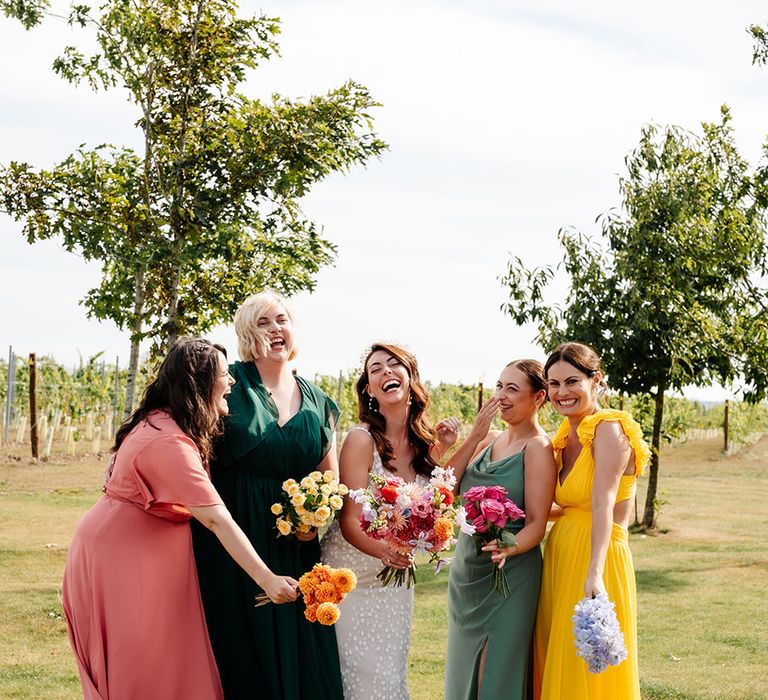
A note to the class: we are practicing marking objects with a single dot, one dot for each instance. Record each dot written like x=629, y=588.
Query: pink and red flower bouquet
x=411, y=519
x=489, y=511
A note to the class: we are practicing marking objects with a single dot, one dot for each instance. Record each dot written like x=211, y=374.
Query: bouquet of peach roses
x=310, y=503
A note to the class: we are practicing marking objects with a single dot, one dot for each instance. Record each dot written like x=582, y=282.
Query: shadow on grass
x=746, y=644
x=658, y=691
x=659, y=581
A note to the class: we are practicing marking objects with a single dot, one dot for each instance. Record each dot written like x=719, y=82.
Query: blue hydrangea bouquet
x=597, y=635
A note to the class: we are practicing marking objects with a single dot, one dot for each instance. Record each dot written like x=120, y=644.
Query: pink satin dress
x=130, y=594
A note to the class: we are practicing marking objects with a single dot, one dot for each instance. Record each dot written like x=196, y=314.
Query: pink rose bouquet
x=489, y=511
x=411, y=519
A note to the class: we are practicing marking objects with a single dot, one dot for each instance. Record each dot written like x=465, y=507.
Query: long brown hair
x=421, y=434
x=184, y=388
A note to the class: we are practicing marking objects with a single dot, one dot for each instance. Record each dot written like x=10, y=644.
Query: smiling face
x=276, y=327
x=572, y=392
x=517, y=400
x=388, y=380
x=222, y=386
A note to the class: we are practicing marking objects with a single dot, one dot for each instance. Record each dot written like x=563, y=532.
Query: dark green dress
x=271, y=652
x=476, y=613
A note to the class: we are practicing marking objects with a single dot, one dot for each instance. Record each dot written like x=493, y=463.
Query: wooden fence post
x=33, y=438
x=726, y=411
x=117, y=389
x=7, y=437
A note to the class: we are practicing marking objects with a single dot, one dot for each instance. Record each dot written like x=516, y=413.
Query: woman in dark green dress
x=280, y=426
x=489, y=635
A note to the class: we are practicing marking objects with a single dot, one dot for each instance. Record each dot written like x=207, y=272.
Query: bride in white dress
x=392, y=439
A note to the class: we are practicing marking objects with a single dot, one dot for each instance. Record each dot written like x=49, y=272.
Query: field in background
x=702, y=584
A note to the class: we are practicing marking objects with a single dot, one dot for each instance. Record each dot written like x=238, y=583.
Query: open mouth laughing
x=390, y=385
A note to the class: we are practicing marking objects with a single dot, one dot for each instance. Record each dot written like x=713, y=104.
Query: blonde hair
x=252, y=342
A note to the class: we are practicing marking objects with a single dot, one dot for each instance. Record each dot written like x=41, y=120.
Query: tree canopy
x=672, y=294
x=210, y=211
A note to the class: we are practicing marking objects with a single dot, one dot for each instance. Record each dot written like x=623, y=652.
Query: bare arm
x=355, y=463
x=330, y=461
x=555, y=511
x=611, y=451
x=540, y=475
x=218, y=520
x=477, y=440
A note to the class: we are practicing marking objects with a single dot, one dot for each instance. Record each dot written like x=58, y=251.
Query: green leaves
x=210, y=211
x=673, y=294
x=29, y=12
x=658, y=297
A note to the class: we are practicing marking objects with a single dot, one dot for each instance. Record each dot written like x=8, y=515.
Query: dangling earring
x=370, y=403
x=410, y=396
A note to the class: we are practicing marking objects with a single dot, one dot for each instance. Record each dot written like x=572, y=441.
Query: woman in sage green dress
x=489, y=635
x=280, y=426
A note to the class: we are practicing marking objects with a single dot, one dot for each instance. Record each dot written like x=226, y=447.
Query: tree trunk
x=172, y=322
x=649, y=516
x=178, y=228
x=138, y=322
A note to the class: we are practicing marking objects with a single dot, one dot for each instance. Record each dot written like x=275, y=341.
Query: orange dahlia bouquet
x=322, y=589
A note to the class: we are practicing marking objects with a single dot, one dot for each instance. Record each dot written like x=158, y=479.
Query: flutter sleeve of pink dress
x=131, y=595
x=166, y=473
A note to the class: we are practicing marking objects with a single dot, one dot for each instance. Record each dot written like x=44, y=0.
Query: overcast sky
x=506, y=121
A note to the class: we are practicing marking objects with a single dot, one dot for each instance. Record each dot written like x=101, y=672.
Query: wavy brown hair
x=421, y=434
x=183, y=387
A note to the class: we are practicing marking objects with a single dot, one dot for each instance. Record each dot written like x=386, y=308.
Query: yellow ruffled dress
x=558, y=672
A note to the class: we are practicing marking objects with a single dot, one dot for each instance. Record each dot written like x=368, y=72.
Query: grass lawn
x=702, y=584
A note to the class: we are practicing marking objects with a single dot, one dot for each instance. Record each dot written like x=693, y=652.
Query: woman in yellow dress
x=599, y=453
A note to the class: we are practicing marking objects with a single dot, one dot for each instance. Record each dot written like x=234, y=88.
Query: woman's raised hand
x=447, y=432
x=484, y=417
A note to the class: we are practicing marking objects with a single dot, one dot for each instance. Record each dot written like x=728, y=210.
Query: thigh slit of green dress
x=271, y=652
x=478, y=615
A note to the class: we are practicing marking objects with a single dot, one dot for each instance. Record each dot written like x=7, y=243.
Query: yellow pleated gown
x=558, y=673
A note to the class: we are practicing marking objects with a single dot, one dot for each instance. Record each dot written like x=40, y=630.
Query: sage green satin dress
x=478, y=615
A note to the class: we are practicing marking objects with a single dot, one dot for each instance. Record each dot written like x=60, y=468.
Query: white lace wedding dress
x=374, y=630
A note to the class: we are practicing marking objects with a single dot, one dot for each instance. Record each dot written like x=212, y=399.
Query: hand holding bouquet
x=597, y=635
x=309, y=504
x=322, y=589
x=409, y=518
x=489, y=510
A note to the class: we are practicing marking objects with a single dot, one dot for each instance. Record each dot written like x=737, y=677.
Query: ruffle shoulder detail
x=561, y=437
x=631, y=428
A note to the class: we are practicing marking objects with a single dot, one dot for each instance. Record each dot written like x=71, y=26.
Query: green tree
x=211, y=210
x=666, y=298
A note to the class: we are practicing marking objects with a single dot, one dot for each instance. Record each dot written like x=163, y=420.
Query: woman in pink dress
x=130, y=594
